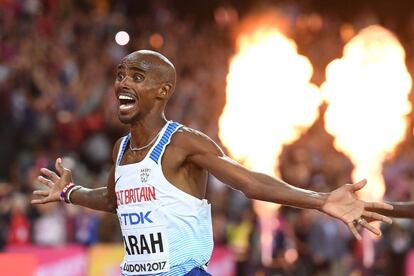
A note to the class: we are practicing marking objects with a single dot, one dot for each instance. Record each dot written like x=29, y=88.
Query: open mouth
x=126, y=102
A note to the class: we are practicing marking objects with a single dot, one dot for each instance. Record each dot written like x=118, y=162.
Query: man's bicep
x=203, y=152
x=110, y=186
x=225, y=169
x=110, y=190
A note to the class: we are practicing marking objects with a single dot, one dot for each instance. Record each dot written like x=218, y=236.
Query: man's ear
x=165, y=91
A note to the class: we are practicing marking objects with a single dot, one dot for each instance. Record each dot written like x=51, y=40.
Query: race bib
x=145, y=240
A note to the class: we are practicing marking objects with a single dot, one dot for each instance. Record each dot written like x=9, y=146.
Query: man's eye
x=120, y=76
x=138, y=77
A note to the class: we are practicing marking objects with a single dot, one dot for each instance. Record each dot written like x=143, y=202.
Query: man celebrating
x=158, y=181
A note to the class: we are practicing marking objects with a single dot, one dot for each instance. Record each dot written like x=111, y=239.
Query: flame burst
x=367, y=91
x=269, y=99
x=269, y=102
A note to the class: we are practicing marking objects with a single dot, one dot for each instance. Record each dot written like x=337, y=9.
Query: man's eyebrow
x=136, y=68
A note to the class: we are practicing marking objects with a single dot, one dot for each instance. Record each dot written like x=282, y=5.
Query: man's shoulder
x=118, y=142
x=186, y=135
x=193, y=141
x=116, y=147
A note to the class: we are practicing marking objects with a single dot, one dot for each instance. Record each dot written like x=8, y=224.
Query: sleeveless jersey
x=165, y=231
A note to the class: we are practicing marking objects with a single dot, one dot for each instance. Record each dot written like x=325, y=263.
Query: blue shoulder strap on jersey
x=164, y=141
x=123, y=148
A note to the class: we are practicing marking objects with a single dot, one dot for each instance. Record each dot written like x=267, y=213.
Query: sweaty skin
x=145, y=80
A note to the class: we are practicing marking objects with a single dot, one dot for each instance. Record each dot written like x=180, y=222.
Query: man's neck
x=146, y=129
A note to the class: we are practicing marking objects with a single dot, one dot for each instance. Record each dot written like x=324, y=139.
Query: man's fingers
x=359, y=185
x=40, y=200
x=376, y=216
x=45, y=181
x=41, y=193
x=64, y=173
x=58, y=166
x=51, y=175
x=351, y=227
x=369, y=227
x=379, y=205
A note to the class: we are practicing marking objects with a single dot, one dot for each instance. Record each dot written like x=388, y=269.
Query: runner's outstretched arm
x=341, y=203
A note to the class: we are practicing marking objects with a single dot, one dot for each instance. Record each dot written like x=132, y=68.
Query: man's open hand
x=343, y=204
x=54, y=183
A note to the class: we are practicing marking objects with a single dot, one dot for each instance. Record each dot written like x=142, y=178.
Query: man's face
x=136, y=86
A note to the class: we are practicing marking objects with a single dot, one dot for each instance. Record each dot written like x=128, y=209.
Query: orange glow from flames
x=367, y=91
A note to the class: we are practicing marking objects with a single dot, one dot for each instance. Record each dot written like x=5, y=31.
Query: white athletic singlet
x=165, y=230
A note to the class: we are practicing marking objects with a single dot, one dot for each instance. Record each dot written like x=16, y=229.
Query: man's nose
x=124, y=85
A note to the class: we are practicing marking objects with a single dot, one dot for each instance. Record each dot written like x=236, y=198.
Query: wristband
x=65, y=190
x=77, y=187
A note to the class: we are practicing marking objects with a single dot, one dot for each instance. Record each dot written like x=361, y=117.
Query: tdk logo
x=136, y=218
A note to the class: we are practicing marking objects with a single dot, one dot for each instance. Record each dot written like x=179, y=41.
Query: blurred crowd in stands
x=57, y=61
